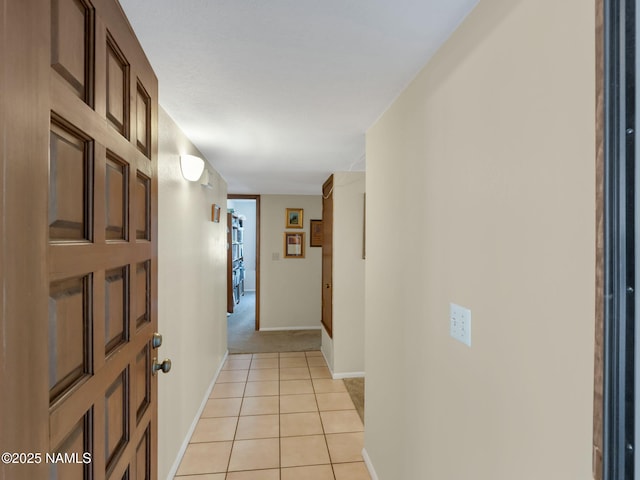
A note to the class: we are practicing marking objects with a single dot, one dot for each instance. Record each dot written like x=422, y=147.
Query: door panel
x=116, y=419
x=72, y=40
x=78, y=440
x=143, y=457
x=117, y=88
x=70, y=358
x=142, y=199
x=70, y=183
x=143, y=293
x=116, y=319
x=143, y=118
x=142, y=382
x=116, y=198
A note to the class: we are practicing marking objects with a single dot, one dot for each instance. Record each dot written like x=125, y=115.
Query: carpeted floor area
x=243, y=338
x=355, y=387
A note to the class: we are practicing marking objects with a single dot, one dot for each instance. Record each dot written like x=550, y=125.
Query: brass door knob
x=165, y=366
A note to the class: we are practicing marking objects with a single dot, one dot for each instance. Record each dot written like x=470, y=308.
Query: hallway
x=276, y=416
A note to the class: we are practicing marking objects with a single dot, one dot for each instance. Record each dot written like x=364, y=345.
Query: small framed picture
x=294, y=218
x=293, y=245
x=215, y=213
x=315, y=237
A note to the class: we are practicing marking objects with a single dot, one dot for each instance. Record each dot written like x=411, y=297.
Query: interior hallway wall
x=481, y=192
x=345, y=351
x=290, y=294
x=192, y=316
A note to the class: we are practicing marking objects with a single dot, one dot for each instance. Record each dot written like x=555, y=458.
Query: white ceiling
x=278, y=94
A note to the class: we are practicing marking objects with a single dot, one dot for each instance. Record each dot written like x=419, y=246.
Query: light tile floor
x=276, y=416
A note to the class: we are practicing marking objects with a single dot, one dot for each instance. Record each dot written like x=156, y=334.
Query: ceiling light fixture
x=192, y=167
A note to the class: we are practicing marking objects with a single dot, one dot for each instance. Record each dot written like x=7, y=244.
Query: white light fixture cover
x=192, y=167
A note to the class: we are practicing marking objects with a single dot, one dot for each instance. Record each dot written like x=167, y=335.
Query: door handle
x=327, y=285
x=156, y=340
x=165, y=366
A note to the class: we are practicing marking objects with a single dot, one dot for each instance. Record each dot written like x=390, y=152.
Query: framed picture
x=315, y=237
x=294, y=218
x=215, y=213
x=293, y=245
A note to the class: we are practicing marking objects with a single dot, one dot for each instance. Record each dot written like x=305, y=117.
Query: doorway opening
x=243, y=267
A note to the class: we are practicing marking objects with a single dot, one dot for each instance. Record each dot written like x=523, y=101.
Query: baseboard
x=185, y=443
x=369, y=465
x=282, y=329
x=339, y=376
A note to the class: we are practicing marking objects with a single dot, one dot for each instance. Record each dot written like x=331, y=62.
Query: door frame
x=615, y=425
x=327, y=256
x=235, y=196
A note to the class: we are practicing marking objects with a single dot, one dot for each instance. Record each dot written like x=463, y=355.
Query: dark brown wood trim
x=598, y=382
x=327, y=256
x=230, y=301
x=233, y=196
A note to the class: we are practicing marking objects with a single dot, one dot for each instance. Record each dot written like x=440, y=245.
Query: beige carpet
x=242, y=338
x=355, y=387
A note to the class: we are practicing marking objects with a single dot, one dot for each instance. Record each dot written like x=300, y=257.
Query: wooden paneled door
x=327, y=255
x=81, y=189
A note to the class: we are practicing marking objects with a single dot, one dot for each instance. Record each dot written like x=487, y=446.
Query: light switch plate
x=460, y=322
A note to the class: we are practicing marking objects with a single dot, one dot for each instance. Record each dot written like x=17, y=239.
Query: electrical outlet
x=460, y=320
x=275, y=256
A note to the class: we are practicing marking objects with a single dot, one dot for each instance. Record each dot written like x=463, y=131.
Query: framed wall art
x=293, y=245
x=315, y=237
x=215, y=213
x=294, y=218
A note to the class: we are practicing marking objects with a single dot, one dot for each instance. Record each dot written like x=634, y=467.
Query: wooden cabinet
x=235, y=260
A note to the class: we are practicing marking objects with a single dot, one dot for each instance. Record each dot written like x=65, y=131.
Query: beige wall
x=347, y=346
x=480, y=191
x=290, y=295
x=191, y=291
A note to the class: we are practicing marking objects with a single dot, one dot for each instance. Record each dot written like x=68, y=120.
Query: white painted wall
x=345, y=351
x=327, y=348
x=191, y=290
x=481, y=191
x=290, y=294
x=248, y=209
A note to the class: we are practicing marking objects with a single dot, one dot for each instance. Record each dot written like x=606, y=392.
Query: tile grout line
x=324, y=433
x=233, y=441
x=279, y=425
